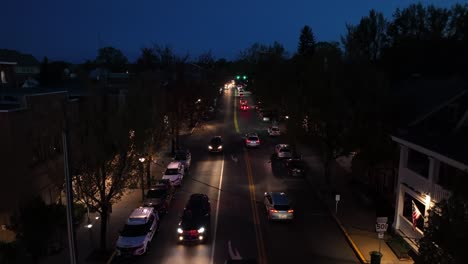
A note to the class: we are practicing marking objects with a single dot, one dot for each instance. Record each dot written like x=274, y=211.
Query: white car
x=174, y=172
x=138, y=232
x=283, y=151
x=252, y=140
x=278, y=206
x=274, y=131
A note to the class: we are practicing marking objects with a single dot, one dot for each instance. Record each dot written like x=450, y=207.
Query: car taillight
x=273, y=211
x=290, y=211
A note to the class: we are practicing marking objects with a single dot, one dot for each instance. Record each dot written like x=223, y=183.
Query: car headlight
x=210, y=147
x=201, y=230
x=220, y=147
x=179, y=230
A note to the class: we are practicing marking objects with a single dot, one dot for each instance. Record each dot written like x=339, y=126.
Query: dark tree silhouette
x=306, y=46
x=112, y=59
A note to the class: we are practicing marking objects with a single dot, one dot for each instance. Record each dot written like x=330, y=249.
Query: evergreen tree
x=306, y=46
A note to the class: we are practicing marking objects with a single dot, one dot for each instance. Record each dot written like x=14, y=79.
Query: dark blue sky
x=73, y=30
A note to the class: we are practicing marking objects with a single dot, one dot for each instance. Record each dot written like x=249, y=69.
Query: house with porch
x=433, y=155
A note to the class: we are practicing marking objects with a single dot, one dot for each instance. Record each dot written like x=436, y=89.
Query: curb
x=356, y=250
x=195, y=126
x=111, y=258
x=350, y=241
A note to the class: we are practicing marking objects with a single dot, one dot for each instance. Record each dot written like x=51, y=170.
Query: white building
x=433, y=154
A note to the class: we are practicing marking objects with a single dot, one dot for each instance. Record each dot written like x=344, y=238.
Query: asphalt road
x=235, y=181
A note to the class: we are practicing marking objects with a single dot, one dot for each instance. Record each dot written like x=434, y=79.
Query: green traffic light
x=238, y=77
x=244, y=77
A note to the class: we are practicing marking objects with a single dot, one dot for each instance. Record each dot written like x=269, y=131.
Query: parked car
x=274, y=131
x=252, y=140
x=216, y=144
x=138, y=232
x=159, y=197
x=174, y=172
x=283, y=151
x=185, y=157
x=194, y=225
x=278, y=206
x=295, y=167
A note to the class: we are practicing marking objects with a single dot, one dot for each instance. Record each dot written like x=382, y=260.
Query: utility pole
x=69, y=190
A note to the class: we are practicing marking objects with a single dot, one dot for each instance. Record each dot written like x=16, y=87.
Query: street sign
x=382, y=219
x=337, y=197
x=381, y=235
x=381, y=225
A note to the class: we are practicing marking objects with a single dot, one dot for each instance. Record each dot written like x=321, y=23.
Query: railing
x=414, y=180
x=440, y=193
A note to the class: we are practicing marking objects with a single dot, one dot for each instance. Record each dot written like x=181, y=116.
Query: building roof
x=20, y=58
x=442, y=128
x=414, y=99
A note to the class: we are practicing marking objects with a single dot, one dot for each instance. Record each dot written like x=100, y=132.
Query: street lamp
x=142, y=159
x=198, y=101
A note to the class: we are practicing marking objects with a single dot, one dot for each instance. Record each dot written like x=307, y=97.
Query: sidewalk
x=356, y=219
x=87, y=239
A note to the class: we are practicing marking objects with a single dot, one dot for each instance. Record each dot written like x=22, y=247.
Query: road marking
x=236, y=125
x=217, y=211
x=233, y=253
x=258, y=231
x=234, y=158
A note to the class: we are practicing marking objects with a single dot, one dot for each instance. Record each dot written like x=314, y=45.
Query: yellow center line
x=236, y=125
x=258, y=231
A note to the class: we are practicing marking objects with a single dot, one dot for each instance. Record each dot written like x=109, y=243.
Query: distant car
x=194, y=225
x=283, y=151
x=266, y=116
x=295, y=167
x=242, y=102
x=274, y=131
x=244, y=107
x=174, y=172
x=185, y=157
x=252, y=140
x=278, y=206
x=216, y=144
x=159, y=197
x=138, y=232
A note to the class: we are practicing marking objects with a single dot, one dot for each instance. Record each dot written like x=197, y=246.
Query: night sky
x=74, y=30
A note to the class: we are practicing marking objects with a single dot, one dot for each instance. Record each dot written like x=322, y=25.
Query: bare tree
x=103, y=170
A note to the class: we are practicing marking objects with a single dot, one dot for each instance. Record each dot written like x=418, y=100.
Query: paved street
x=238, y=220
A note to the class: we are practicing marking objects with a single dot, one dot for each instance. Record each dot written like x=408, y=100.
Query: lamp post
x=142, y=159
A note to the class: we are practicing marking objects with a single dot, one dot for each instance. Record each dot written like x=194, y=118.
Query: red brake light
x=273, y=210
x=290, y=211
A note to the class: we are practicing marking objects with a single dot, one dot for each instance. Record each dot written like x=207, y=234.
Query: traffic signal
x=238, y=77
x=244, y=77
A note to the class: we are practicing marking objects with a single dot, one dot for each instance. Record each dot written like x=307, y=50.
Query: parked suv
x=194, y=225
x=174, y=172
x=278, y=206
x=138, y=232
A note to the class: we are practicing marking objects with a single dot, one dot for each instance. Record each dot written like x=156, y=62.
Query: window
x=408, y=210
x=449, y=176
x=418, y=163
